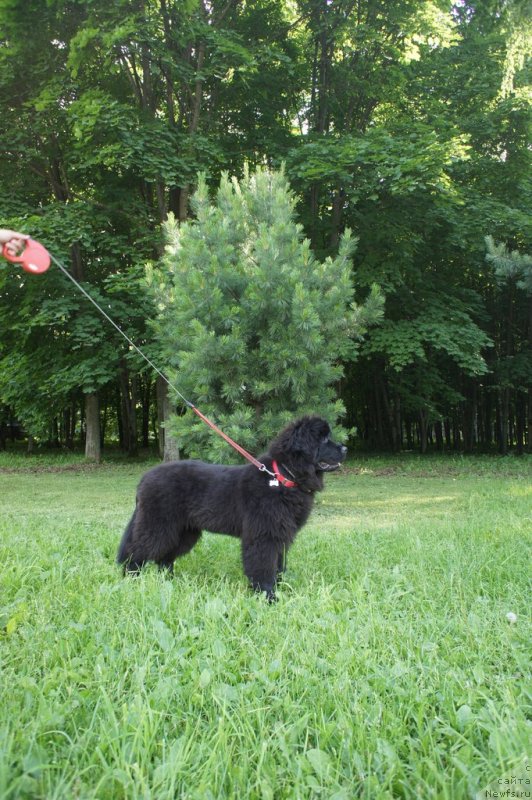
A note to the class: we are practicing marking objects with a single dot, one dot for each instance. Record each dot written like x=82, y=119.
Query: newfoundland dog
x=176, y=501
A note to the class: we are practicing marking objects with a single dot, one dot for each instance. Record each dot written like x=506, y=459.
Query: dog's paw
x=267, y=590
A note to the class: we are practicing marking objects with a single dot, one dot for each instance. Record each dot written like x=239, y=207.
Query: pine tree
x=510, y=265
x=254, y=330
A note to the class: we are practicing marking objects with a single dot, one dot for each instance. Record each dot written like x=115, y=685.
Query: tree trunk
x=378, y=415
x=168, y=446
x=93, y=451
x=520, y=413
x=146, y=395
x=456, y=432
x=129, y=410
x=488, y=418
x=423, y=429
x=336, y=216
x=70, y=425
x=183, y=204
x=438, y=431
x=504, y=413
x=103, y=422
x=160, y=390
x=392, y=407
x=193, y=116
x=529, y=445
x=319, y=105
x=469, y=418
x=55, y=440
x=447, y=430
x=409, y=439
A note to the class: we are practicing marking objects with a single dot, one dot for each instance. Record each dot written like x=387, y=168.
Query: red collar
x=281, y=478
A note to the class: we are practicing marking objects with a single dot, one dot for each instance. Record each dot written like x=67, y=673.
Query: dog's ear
x=310, y=434
x=300, y=440
x=295, y=442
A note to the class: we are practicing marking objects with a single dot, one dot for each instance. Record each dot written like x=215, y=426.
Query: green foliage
x=510, y=265
x=397, y=160
x=407, y=123
x=256, y=327
x=435, y=330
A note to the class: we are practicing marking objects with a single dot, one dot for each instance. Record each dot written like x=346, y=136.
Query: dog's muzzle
x=325, y=466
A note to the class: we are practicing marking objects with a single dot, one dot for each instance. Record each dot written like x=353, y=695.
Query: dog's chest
x=296, y=506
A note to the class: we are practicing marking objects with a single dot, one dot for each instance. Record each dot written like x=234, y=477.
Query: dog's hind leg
x=124, y=550
x=133, y=565
x=132, y=553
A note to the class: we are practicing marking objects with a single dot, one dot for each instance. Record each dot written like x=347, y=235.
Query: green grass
x=387, y=669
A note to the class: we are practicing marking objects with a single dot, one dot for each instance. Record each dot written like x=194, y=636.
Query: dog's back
x=195, y=494
x=175, y=502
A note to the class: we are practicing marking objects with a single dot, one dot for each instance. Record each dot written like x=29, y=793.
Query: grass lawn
x=388, y=668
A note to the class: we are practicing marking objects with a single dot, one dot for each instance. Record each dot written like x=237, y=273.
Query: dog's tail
x=124, y=550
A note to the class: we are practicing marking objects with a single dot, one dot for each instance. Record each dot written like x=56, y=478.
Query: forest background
x=406, y=122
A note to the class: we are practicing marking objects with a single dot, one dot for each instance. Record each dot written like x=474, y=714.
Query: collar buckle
x=280, y=478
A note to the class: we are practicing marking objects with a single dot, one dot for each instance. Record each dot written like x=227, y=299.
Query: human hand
x=12, y=239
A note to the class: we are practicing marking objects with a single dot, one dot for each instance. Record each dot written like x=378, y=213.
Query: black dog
x=176, y=501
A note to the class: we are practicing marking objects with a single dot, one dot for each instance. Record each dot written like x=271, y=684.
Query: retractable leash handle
x=34, y=258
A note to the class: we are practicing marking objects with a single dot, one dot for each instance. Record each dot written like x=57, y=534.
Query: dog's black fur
x=176, y=501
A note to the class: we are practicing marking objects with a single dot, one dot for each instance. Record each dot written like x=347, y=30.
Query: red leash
x=36, y=259
x=230, y=441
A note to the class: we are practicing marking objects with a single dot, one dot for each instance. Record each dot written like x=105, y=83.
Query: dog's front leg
x=260, y=559
x=266, y=587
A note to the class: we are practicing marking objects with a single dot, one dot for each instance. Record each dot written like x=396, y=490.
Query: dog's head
x=306, y=449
